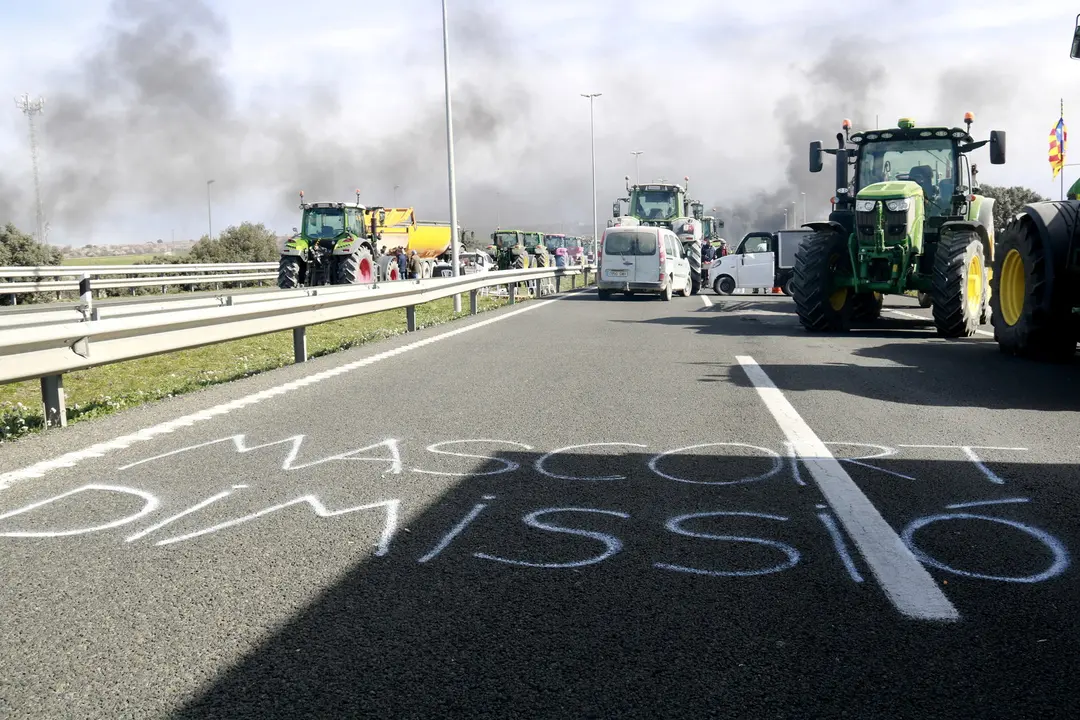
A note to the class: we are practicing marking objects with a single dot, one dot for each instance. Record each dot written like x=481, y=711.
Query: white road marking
x=921, y=317
x=99, y=449
x=903, y=578
x=705, y=299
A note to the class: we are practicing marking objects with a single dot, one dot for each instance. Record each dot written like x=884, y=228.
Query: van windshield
x=628, y=242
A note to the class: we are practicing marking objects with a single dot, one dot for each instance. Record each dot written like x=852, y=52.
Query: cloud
x=170, y=93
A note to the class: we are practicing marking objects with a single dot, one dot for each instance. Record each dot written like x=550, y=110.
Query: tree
x=18, y=248
x=246, y=242
x=1009, y=201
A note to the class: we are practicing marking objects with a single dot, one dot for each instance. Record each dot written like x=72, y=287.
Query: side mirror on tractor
x=615, y=209
x=1075, y=53
x=997, y=147
x=815, y=157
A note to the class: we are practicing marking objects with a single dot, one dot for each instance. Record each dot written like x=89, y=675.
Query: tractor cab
x=655, y=203
x=533, y=240
x=554, y=242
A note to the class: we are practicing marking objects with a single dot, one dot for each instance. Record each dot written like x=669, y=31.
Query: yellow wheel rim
x=838, y=298
x=975, y=285
x=1012, y=287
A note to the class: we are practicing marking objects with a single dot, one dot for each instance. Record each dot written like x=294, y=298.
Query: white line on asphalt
x=921, y=317
x=99, y=449
x=907, y=583
x=705, y=299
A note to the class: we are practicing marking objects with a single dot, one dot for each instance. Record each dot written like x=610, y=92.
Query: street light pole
x=209, y=215
x=803, y=208
x=794, y=213
x=592, y=141
x=637, y=171
x=785, y=217
x=450, y=155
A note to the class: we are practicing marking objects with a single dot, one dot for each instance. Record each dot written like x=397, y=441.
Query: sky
x=147, y=100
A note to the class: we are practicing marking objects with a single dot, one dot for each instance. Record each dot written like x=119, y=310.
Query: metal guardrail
x=47, y=352
x=28, y=271
x=44, y=278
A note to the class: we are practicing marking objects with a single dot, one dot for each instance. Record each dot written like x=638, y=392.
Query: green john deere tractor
x=508, y=247
x=1036, y=283
x=911, y=220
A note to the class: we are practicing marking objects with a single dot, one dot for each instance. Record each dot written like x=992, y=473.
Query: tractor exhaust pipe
x=842, y=180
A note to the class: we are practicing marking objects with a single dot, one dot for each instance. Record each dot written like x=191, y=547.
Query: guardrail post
x=474, y=301
x=299, y=344
x=14, y=299
x=510, y=291
x=410, y=318
x=558, y=284
x=54, y=407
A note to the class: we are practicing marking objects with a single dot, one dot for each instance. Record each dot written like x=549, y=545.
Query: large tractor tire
x=1030, y=319
x=925, y=300
x=693, y=255
x=389, y=270
x=867, y=306
x=820, y=306
x=290, y=272
x=959, y=284
x=357, y=268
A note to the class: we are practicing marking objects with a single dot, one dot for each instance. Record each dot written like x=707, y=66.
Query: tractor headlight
x=865, y=205
x=901, y=205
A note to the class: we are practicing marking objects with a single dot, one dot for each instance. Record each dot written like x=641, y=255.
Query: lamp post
x=637, y=171
x=785, y=217
x=803, y=208
x=794, y=213
x=209, y=214
x=592, y=142
x=450, y=156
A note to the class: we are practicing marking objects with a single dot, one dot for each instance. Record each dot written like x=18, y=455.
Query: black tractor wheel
x=959, y=284
x=1027, y=320
x=355, y=268
x=786, y=287
x=725, y=285
x=603, y=294
x=695, y=282
x=290, y=272
x=925, y=300
x=867, y=306
x=821, y=306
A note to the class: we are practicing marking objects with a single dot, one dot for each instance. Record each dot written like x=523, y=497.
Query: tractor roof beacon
x=910, y=219
x=1036, y=281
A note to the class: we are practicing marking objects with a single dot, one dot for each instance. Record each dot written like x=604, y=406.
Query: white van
x=643, y=259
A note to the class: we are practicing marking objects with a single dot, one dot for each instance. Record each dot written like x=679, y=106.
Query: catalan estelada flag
x=1057, y=146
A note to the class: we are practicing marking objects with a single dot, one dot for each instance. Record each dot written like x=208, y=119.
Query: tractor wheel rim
x=1012, y=287
x=975, y=285
x=364, y=270
x=838, y=298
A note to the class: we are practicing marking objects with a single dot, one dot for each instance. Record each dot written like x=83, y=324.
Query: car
x=642, y=259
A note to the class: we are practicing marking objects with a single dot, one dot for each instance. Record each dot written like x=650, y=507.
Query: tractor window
x=506, y=240
x=655, y=204
x=929, y=162
x=323, y=223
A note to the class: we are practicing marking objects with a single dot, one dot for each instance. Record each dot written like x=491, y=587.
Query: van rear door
x=647, y=255
x=617, y=264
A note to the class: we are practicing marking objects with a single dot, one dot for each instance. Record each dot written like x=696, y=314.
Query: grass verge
x=100, y=391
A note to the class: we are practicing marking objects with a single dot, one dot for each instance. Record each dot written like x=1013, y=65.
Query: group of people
x=710, y=252
x=408, y=265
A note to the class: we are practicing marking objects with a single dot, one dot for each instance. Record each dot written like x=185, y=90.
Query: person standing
x=414, y=266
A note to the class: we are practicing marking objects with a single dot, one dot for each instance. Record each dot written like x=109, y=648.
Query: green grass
x=100, y=391
x=109, y=260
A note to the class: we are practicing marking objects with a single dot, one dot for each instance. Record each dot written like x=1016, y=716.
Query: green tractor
x=333, y=247
x=508, y=249
x=1036, y=282
x=911, y=220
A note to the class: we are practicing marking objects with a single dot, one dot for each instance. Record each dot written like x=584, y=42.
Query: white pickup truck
x=762, y=260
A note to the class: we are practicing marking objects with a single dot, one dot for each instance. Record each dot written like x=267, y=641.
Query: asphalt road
x=393, y=532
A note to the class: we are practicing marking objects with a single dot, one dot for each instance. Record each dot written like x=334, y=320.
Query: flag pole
x=1062, y=116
